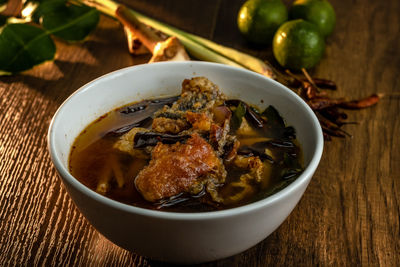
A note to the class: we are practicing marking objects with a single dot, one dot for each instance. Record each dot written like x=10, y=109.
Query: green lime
x=318, y=12
x=298, y=44
x=259, y=19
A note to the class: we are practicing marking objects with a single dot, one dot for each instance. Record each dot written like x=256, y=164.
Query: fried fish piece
x=199, y=121
x=179, y=168
x=125, y=143
x=167, y=125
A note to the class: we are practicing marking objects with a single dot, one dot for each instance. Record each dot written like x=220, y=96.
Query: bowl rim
x=168, y=215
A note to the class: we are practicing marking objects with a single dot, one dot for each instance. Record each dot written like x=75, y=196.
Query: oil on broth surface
x=259, y=154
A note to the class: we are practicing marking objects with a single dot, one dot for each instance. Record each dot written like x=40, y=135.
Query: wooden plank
x=39, y=223
x=350, y=212
x=193, y=16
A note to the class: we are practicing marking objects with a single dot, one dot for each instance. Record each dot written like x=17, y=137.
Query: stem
x=198, y=47
x=146, y=35
x=195, y=49
x=310, y=80
x=244, y=59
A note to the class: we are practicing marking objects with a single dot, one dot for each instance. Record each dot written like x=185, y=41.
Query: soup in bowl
x=244, y=146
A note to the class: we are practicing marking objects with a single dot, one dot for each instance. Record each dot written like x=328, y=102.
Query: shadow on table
x=273, y=251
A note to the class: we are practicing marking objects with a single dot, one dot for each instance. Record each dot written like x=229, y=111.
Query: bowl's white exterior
x=176, y=237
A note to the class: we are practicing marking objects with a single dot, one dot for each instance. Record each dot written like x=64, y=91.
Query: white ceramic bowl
x=181, y=237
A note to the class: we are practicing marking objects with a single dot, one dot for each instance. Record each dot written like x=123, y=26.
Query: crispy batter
x=216, y=132
x=219, y=136
x=256, y=168
x=198, y=94
x=179, y=168
x=232, y=146
x=254, y=164
x=166, y=125
x=199, y=85
x=125, y=144
x=199, y=121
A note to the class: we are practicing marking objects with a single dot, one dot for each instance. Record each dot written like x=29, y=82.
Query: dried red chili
x=362, y=103
x=325, y=107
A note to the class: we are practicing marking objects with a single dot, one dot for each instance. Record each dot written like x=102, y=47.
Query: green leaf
x=292, y=167
x=66, y=21
x=46, y=7
x=237, y=117
x=3, y=20
x=23, y=46
x=273, y=117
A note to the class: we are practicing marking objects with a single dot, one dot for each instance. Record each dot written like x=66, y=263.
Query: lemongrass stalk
x=196, y=50
x=248, y=61
x=107, y=7
x=197, y=46
x=146, y=35
x=245, y=60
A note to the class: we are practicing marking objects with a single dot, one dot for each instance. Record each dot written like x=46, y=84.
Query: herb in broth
x=195, y=152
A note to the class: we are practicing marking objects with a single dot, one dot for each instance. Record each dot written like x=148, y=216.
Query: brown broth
x=93, y=150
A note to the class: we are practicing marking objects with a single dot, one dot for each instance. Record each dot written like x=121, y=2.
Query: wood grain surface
x=349, y=214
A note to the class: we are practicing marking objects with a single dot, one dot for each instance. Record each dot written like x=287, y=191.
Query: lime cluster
x=297, y=36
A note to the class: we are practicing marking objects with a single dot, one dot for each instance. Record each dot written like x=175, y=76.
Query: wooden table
x=350, y=213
